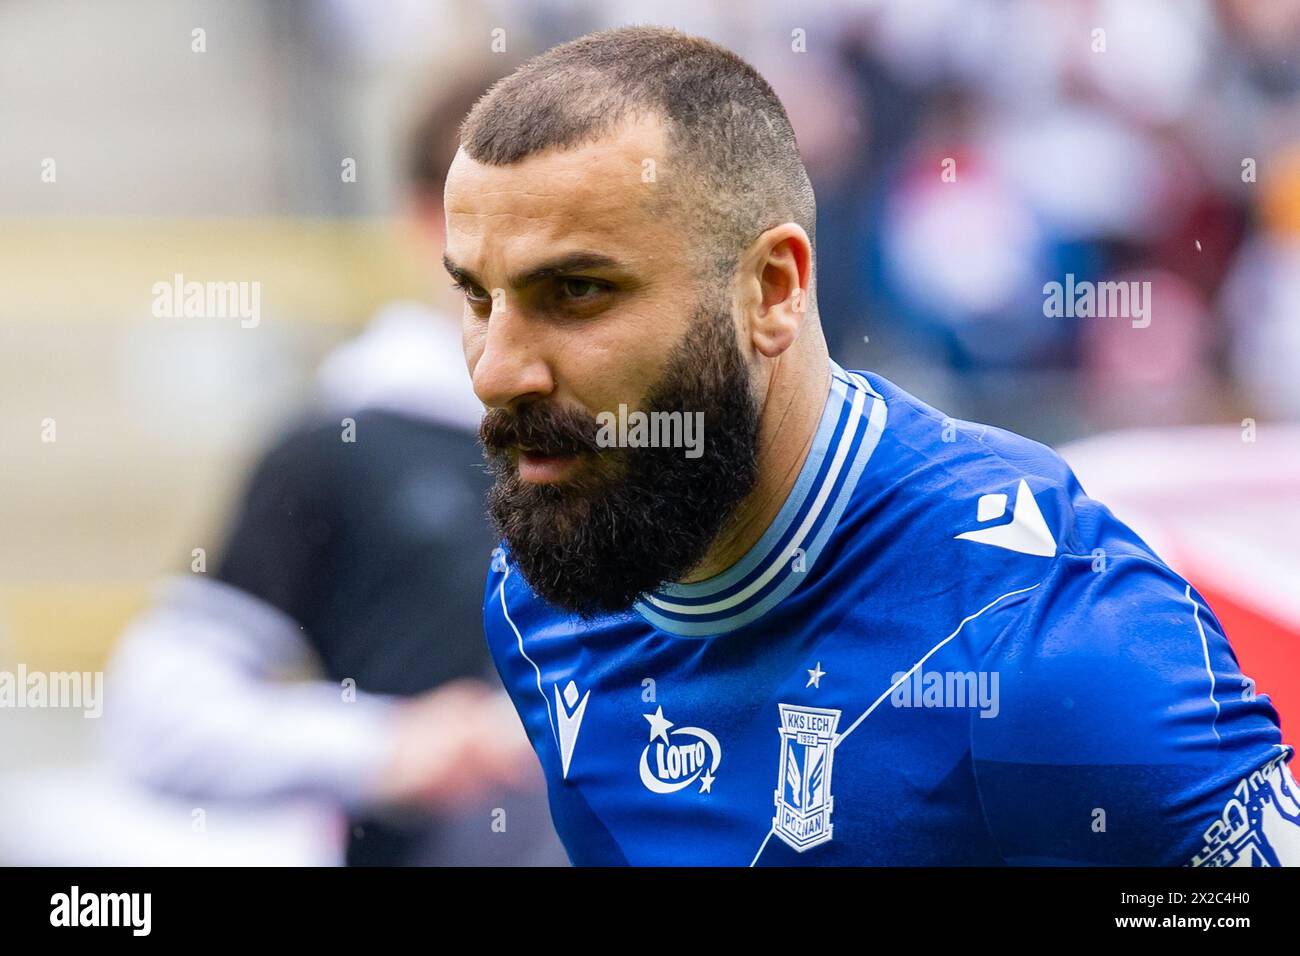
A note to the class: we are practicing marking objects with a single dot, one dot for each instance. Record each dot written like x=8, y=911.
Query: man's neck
x=791, y=413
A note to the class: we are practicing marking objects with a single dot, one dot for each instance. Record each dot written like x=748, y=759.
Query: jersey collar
x=852, y=421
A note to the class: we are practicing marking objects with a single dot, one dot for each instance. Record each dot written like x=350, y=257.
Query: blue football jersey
x=941, y=652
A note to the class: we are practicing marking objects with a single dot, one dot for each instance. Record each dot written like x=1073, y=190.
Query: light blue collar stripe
x=858, y=444
x=828, y=433
x=774, y=565
x=747, y=615
x=834, y=430
x=789, y=524
x=721, y=622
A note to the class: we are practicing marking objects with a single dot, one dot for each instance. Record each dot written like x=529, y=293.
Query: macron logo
x=570, y=717
x=1026, y=532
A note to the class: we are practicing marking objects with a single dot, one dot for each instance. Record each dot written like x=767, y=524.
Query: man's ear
x=778, y=272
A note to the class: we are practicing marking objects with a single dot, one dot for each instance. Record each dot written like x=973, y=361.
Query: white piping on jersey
x=840, y=738
x=520, y=638
x=863, y=384
x=797, y=542
x=966, y=620
x=1205, y=648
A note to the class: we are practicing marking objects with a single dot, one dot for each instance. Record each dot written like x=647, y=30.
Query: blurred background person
x=357, y=553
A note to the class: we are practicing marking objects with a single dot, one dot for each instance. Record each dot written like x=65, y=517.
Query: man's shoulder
x=973, y=503
x=1122, y=710
x=946, y=462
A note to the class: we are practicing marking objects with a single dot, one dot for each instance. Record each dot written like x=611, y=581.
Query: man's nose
x=511, y=368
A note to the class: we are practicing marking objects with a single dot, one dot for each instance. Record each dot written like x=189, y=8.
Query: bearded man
x=851, y=630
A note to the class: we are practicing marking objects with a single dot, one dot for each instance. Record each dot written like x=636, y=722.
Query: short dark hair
x=726, y=128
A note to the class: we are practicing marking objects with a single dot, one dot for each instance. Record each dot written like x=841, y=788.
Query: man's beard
x=630, y=519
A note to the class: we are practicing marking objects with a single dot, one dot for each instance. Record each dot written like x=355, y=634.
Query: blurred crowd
x=967, y=152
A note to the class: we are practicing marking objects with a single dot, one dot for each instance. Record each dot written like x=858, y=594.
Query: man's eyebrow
x=562, y=265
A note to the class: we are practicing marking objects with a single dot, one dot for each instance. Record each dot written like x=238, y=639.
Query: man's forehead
x=598, y=187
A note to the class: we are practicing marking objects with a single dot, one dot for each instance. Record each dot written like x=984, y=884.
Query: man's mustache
x=541, y=428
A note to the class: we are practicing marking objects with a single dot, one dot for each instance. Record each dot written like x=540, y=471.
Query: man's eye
x=581, y=288
x=472, y=292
